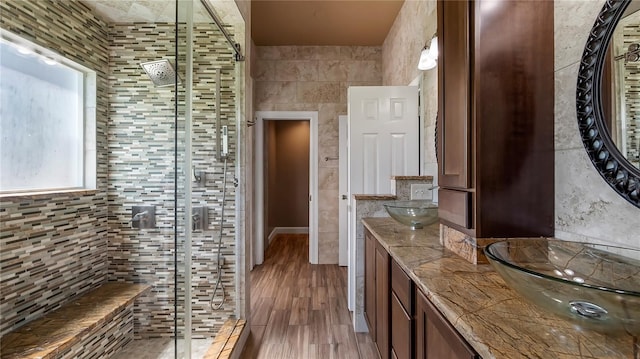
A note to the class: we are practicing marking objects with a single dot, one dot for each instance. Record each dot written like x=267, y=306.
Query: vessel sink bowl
x=415, y=213
x=594, y=286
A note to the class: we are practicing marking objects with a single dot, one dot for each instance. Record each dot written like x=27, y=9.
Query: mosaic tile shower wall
x=141, y=159
x=632, y=93
x=54, y=247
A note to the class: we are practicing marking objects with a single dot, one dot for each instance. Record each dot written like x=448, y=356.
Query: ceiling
x=150, y=11
x=289, y=22
x=324, y=22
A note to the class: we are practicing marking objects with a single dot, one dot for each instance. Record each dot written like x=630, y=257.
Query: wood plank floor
x=300, y=310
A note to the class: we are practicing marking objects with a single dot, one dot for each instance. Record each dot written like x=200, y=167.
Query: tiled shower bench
x=96, y=324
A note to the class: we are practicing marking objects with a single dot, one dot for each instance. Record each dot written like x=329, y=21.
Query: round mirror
x=608, y=97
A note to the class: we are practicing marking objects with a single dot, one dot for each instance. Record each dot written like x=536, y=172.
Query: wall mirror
x=608, y=97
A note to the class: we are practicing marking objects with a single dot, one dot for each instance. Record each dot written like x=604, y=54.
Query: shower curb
x=227, y=341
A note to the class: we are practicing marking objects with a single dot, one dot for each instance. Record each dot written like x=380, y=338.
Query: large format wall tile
x=572, y=21
x=567, y=135
x=586, y=207
x=316, y=78
x=413, y=28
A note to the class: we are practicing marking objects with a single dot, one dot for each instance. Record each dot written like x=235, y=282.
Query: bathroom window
x=47, y=120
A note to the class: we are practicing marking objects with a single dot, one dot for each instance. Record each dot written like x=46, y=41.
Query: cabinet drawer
x=442, y=339
x=455, y=207
x=402, y=286
x=400, y=330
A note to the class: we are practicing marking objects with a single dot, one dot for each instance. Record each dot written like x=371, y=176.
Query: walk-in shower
x=168, y=101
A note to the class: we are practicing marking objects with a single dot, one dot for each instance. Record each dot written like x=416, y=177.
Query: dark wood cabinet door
x=454, y=84
x=420, y=321
x=495, y=117
x=370, y=283
x=435, y=337
x=401, y=341
x=382, y=301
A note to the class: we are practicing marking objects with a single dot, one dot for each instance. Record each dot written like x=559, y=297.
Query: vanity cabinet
x=496, y=117
x=402, y=321
x=435, y=337
x=377, y=294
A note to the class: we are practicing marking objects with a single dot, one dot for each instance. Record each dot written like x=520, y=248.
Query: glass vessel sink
x=414, y=213
x=595, y=286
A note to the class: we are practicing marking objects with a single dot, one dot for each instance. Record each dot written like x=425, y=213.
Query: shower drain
x=587, y=310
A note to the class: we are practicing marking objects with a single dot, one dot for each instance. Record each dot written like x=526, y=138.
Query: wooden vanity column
x=496, y=117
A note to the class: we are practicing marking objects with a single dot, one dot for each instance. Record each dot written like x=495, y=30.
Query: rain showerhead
x=161, y=72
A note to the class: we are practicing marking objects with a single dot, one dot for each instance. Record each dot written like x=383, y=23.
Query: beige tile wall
x=587, y=209
x=413, y=28
x=316, y=78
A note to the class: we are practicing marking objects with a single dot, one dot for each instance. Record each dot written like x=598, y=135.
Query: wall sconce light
x=429, y=55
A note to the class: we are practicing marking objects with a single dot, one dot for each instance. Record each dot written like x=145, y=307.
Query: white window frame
x=88, y=109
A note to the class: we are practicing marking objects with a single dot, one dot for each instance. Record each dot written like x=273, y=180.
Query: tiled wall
x=57, y=246
x=586, y=207
x=141, y=172
x=316, y=78
x=105, y=341
x=413, y=28
x=54, y=247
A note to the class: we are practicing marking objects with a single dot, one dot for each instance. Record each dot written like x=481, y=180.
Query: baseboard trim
x=280, y=230
x=359, y=323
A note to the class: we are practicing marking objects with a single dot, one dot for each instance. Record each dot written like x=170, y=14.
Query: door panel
x=454, y=119
x=383, y=136
x=383, y=140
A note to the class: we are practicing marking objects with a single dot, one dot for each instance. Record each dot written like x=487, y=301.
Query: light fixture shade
x=429, y=55
x=426, y=61
x=433, y=48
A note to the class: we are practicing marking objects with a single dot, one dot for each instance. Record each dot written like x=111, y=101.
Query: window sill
x=16, y=196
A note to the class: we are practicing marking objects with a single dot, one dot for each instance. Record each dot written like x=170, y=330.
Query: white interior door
x=383, y=140
x=343, y=193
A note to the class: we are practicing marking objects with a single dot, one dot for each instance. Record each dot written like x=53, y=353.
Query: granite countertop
x=495, y=320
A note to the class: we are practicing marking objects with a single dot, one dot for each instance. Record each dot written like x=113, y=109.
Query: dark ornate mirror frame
x=621, y=175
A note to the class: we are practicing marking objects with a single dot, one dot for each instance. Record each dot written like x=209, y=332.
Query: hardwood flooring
x=299, y=310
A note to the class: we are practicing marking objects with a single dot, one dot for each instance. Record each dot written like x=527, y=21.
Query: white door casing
x=383, y=137
x=343, y=193
x=259, y=236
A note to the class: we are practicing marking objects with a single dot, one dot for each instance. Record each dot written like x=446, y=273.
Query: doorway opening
x=286, y=177
x=277, y=193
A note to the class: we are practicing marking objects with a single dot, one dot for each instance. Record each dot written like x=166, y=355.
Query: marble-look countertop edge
x=412, y=178
x=375, y=197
